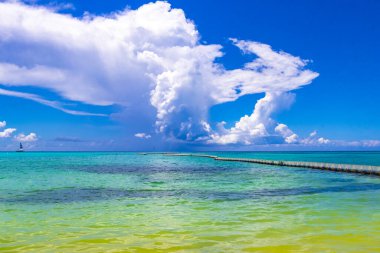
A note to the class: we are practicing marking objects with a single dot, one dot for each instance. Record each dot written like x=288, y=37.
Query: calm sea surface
x=126, y=202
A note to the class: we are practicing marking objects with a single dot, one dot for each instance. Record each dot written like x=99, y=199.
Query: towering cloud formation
x=149, y=61
x=260, y=127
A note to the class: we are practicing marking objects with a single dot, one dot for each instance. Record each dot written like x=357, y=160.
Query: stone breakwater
x=348, y=168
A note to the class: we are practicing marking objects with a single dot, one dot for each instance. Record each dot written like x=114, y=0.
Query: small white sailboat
x=21, y=149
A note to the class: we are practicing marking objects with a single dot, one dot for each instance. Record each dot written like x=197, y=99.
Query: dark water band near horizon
x=125, y=202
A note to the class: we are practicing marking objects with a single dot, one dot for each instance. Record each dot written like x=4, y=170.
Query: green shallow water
x=125, y=202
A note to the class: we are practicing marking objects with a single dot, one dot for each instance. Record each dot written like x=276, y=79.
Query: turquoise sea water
x=126, y=202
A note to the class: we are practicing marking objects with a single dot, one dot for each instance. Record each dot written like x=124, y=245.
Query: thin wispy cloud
x=54, y=104
x=143, y=135
x=68, y=139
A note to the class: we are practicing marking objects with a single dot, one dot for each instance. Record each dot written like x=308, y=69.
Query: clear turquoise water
x=125, y=202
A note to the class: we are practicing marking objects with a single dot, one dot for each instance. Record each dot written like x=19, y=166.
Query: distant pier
x=348, y=168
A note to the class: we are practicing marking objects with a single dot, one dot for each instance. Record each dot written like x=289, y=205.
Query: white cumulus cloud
x=284, y=131
x=27, y=138
x=7, y=132
x=260, y=126
x=313, y=139
x=322, y=140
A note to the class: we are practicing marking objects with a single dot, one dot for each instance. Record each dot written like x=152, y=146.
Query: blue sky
x=335, y=107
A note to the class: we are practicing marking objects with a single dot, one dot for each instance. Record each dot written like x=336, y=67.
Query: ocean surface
x=126, y=202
